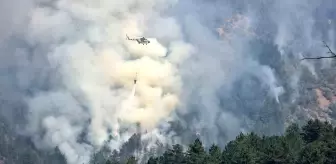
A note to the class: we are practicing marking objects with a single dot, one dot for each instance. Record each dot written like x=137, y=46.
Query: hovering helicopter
x=140, y=40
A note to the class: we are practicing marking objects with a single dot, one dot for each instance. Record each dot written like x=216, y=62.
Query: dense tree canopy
x=314, y=143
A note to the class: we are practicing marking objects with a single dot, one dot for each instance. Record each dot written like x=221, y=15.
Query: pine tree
x=314, y=130
x=290, y=148
x=294, y=141
x=174, y=155
x=109, y=162
x=215, y=155
x=196, y=153
x=153, y=160
x=131, y=160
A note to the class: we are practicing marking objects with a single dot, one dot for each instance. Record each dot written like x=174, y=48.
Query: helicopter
x=140, y=40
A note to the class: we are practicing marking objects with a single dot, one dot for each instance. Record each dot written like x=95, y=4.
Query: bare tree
x=333, y=55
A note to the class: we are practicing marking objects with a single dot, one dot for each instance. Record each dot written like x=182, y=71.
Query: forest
x=313, y=143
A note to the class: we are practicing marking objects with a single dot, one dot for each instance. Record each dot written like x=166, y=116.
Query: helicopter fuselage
x=143, y=41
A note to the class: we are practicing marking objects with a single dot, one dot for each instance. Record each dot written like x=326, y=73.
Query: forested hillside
x=99, y=81
x=314, y=143
x=17, y=149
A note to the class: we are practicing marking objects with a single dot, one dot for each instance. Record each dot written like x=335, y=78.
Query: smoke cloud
x=210, y=66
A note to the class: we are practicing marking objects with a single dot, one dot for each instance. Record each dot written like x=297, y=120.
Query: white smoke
x=97, y=66
x=77, y=73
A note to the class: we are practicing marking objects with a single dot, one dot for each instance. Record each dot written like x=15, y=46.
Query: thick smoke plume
x=210, y=66
x=87, y=48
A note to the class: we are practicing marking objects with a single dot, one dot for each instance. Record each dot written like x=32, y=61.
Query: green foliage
x=171, y=156
x=215, y=155
x=314, y=143
x=112, y=161
x=313, y=130
x=153, y=160
x=196, y=153
x=131, y=160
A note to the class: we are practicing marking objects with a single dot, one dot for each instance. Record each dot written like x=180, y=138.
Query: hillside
x=87, y=80
x=17, y=149
x=315, y=142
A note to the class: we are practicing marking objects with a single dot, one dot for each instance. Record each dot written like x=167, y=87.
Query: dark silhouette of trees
x=314, y=142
